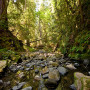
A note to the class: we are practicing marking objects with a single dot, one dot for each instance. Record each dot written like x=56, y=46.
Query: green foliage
x=7, y=53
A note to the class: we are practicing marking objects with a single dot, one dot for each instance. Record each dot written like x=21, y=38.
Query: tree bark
x=3, y=15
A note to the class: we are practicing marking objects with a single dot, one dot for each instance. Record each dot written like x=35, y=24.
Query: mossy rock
x=15, y=58
x=82, y=82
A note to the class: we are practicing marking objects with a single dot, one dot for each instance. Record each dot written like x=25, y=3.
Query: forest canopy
x=54, y=25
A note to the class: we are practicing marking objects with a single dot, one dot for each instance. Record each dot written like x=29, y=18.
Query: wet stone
x=37, y=77
x=21, y=68
x=62, y=70
x=45, y=76
x=36, y=71
x=76, y=64
x=19, y=86
x=42, y=65
x=71, y=67
x=27, y=69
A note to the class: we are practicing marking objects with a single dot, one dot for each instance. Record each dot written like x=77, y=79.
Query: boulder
x=54, y=74
x=81, y=81
x=62, y=70
x=2, y=65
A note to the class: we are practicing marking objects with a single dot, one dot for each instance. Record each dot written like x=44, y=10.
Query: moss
x=88, y=83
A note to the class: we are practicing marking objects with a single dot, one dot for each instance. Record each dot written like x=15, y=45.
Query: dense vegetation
x=55, y=25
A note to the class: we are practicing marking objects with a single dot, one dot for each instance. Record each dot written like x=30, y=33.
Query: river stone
x=54, y=74
x=2, y=65
x=45, y=70
x=27, y=69
x=76, y=64
x=42, y=65
x=89, y=73
x=62, y=70
x=62, y=60
x=1, y=82
x=70, y=66
x=27, y=88
x=51, y=84
x=45, y=76
x=86, y=62
x=21, y=68
x=81, y=81
x=37, y=77
x=54, y=64
x=36, y=71
x=73, y=87
x=19, y=86
x=21, y=75
x=13, y=68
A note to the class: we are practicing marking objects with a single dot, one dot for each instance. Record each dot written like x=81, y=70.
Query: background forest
x=54, y=25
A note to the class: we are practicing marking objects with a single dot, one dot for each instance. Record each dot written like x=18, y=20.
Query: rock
x=19, y=86
x=13, y=68
x=70, y=66
x=62, y=60
x=62, y=70
x=27, y=88
x=45, y=70
x=54, y=64
x=76, y=64
x=89, y=73
x=21, y=68
x=45, y=76
x=51, y=84
x=86, y=62
x=73, y=87
x=7, y=83
x=29, y=65
x=42, y=65
x=2, y=65
x=81, y=81
x=54, y=74
x=37, y=77
x=16, y=58
x=27, y=69
x=36, y=71
x=1, y=82
x=21, y=75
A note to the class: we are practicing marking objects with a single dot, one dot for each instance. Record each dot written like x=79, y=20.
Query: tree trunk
x=3, y=15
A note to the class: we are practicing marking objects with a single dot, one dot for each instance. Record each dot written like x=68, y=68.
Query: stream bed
x=40, y=72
